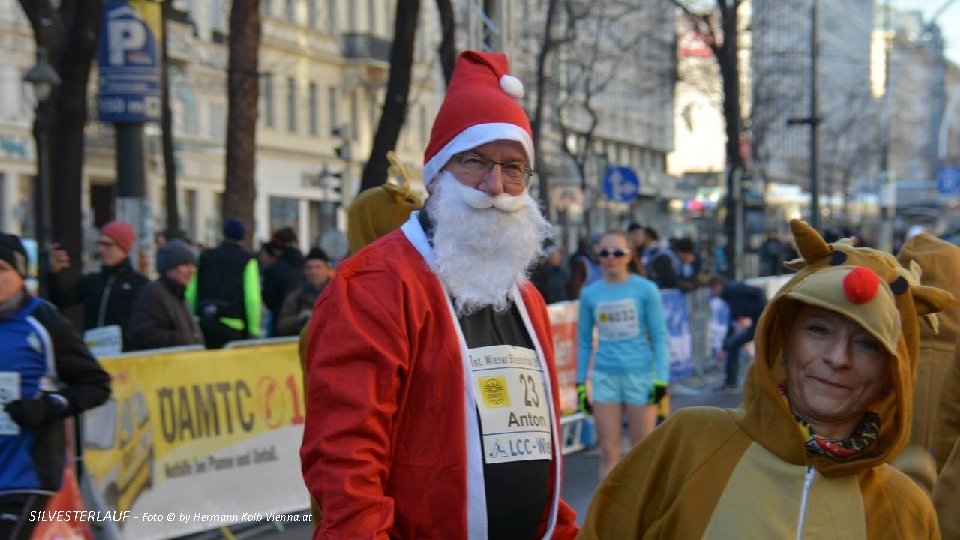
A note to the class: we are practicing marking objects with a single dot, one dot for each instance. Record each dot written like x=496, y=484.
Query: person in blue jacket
x=46, y=374
x=631, y=361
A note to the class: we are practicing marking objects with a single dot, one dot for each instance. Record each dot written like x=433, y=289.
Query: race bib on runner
x=512, y=400
x=104, y=341
x=9, y=391
x=618, y=319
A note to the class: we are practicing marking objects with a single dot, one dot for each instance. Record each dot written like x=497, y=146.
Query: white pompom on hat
x=480, y=106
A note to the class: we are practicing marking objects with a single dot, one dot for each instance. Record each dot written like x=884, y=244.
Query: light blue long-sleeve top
x=631, y=326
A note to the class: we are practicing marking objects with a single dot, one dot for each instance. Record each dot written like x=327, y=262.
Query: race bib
x=511, y=397
x=104, y=341
x=618, y=319
x=9, y=391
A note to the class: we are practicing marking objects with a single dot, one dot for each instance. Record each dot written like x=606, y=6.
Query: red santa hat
x=481, y=106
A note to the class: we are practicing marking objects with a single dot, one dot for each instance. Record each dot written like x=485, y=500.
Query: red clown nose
x=861, y=285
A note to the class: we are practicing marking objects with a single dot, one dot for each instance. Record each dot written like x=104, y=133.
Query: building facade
x=323, y=70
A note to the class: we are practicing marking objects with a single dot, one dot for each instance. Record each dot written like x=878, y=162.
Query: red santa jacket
x=391, y=446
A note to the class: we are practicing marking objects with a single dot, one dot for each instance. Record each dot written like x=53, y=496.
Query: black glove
x=33, y=413
x=583, y=404
x=658, y=392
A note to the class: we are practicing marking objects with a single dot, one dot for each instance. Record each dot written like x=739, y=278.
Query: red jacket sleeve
x=356, y=359
x=567, y=527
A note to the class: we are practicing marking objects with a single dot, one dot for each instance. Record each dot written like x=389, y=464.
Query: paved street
x=580, y=469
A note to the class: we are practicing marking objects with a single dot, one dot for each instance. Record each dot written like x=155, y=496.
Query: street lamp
x=43, y=79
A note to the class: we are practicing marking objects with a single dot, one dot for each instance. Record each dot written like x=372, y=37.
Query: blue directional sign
x=948, y=181
x=128, y=58
x=621, y=184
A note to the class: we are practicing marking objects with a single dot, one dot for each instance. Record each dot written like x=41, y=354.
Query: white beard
x=483, y=245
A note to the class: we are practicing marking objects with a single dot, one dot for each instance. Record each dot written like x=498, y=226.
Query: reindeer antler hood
x=863, y=284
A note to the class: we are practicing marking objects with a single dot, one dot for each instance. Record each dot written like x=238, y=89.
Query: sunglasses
x=614, y=252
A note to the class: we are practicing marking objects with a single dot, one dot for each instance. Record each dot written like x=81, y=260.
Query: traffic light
x=343, y=148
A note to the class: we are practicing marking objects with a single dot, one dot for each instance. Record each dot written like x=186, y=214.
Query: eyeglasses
x=614, y=252
x=477, y=166
x=105, y=244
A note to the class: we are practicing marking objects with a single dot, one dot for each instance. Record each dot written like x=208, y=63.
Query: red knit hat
x=121, y=233
x=480, y=106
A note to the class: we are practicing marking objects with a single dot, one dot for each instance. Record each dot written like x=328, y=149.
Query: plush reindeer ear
x=809, y=242
x=932, y=322
x=796, y=265
x=930, y=299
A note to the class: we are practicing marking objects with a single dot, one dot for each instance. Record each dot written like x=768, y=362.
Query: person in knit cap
x=432, y=398
x=225, y=295
x=283, y=275
x=106, y=295
x=827, y=405
x=160, y=315
x=299, y=303
x=46, y=375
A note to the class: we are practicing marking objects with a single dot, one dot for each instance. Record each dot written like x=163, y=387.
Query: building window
x=284, y=212
x=218, y=16
x=266, y=7
x=334, y=108
x=312, y=13
x=188, y=220
x=217, y=121
x=352, y=16
x=312, y=107
x=323, y=218
x=372, y=114
x=372, y=16
x=215, y=221
x=332, y=16
x=290, y=10
x=354, y=115
x=25, y=210
x=102, y=203
x=291, y=105
x=266, y=93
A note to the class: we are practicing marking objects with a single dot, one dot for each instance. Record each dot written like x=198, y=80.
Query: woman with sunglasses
x=631, y=359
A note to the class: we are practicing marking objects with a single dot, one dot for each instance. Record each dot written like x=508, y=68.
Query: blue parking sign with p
x=128, y=58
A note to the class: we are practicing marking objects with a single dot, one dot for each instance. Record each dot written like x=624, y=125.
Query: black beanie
x=318, y=254
x=174, y=253
x=234, y=229
x=13, y=253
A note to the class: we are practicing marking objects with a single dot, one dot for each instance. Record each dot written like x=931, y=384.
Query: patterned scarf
x=838, y=449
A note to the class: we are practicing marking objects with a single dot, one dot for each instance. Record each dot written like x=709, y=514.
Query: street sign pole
x=128, y=58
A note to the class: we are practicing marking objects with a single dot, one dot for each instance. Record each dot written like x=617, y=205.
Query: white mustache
x=481, y=201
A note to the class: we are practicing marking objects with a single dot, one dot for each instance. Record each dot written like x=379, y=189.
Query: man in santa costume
x=432, y=405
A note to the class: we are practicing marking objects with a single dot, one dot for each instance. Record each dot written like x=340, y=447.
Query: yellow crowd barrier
x=193, y=440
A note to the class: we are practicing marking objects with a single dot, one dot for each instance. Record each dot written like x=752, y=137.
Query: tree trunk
x=447, y=48
x=70, y=36
x=243, y=93
x=172, y=230
x=398, y=92
x=729, y=63
x=539, y=103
